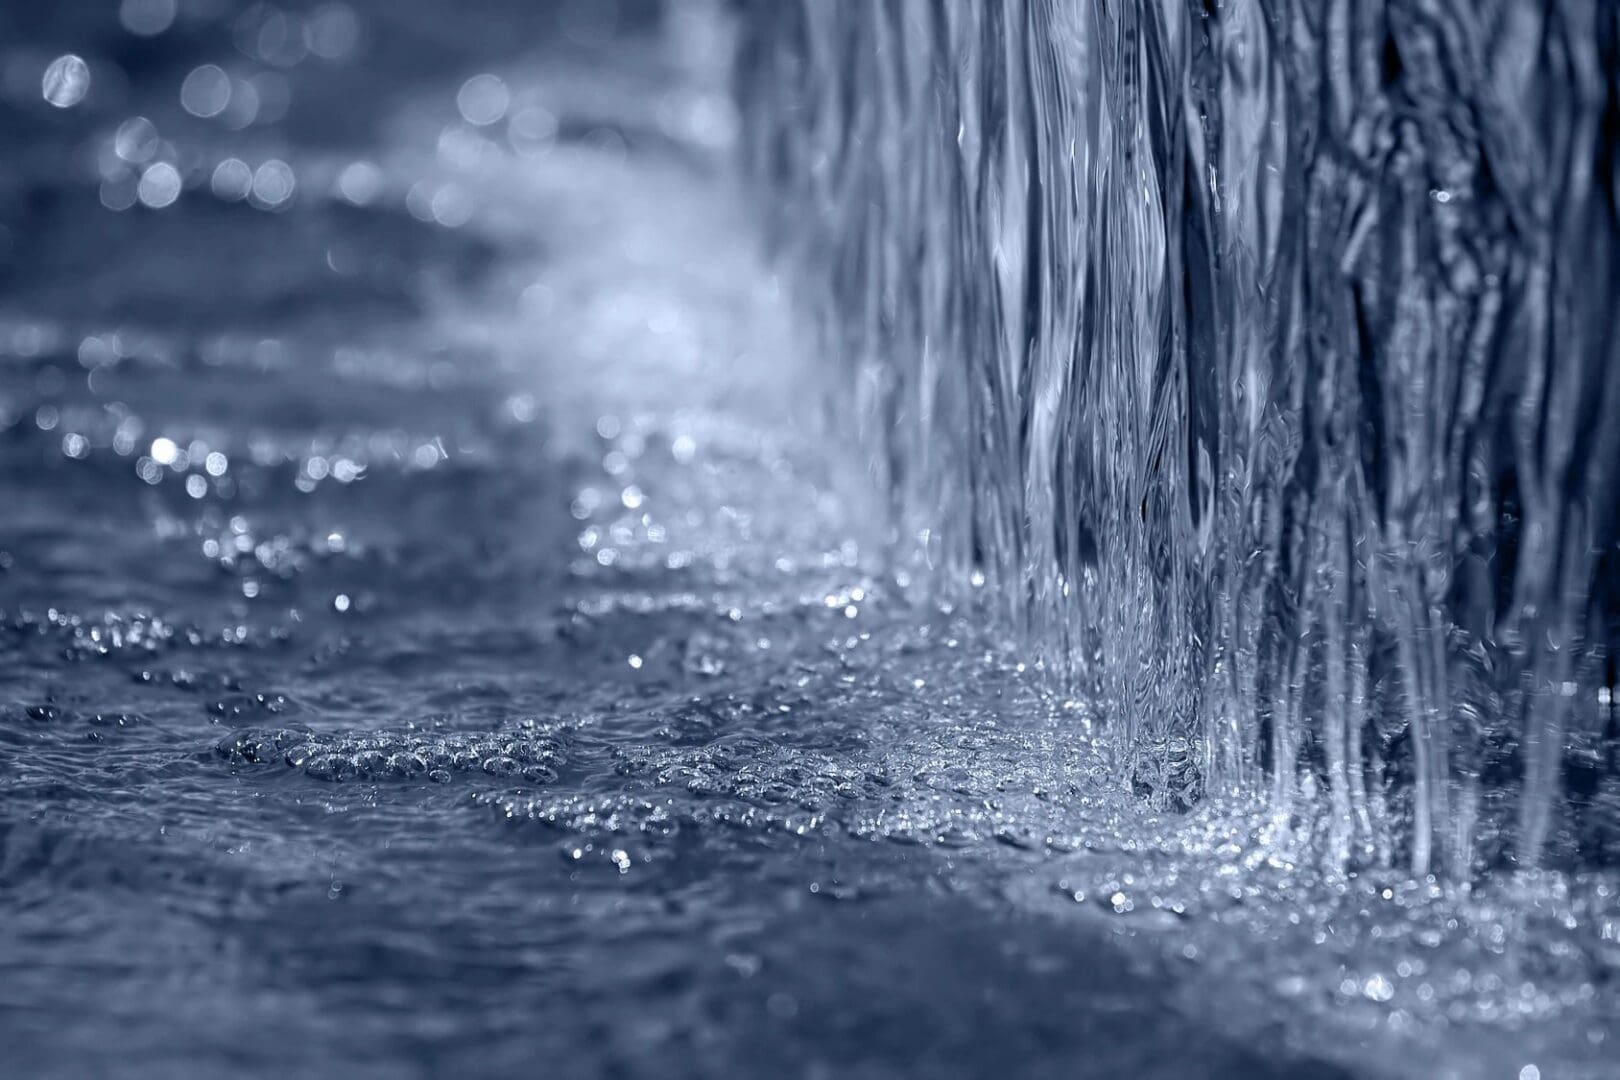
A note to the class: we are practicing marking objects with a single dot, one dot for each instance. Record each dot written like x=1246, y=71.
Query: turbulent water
x=1261, y=358
x=440, y=634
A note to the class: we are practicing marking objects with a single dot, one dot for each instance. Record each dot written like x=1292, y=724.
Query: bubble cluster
x=530, y=756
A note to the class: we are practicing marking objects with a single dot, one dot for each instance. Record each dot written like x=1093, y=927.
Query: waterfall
x=1257, y=361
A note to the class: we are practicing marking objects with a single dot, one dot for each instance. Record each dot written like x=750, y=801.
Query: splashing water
x=1258, y=359
x=431, y=628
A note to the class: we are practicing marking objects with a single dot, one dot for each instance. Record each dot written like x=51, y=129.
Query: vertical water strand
x=1043, y=379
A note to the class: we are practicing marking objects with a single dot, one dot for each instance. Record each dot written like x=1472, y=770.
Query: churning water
x=445, y=628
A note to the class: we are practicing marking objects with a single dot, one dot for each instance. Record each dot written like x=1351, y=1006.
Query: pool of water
x=437, y=637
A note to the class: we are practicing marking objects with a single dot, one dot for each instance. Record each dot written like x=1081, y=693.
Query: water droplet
x=118, y=193
x=1377, y=988
x=531, y=129
x=232, y=180
x=452, y=206
x=359, y=182
x=146, y=18
x=206, y=91
x=66, y=82
x=164, y=450
x=333, y=31
x=483, y=99
x=273, y=185
x=159, y=186
x=136, y=140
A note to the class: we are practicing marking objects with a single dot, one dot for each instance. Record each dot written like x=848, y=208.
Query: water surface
x=439, y=637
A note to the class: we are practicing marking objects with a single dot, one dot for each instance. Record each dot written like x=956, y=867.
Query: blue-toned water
x=447, y=625
x=1261, y=359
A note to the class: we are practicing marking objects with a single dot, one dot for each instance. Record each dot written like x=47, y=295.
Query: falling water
x=1257, y=359
x=439, y=634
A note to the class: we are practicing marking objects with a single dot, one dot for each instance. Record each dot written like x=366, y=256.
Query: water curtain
x=1258, y=360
